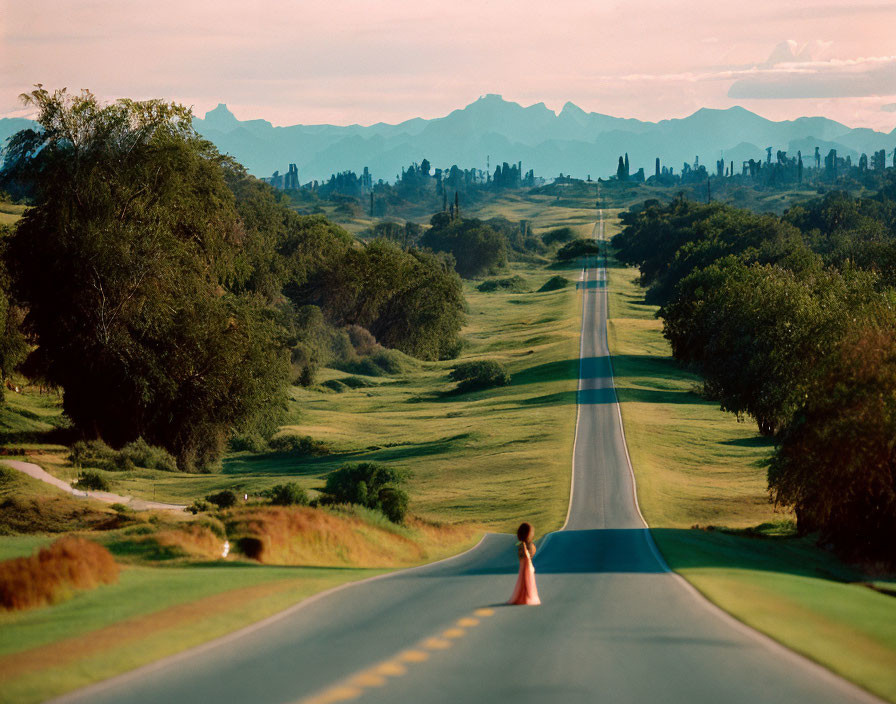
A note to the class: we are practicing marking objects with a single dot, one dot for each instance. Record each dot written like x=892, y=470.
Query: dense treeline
x=168, y=293
x=791, y=321
x=418, y=186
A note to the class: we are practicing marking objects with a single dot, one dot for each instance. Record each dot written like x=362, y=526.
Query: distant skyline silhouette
x=351, y=61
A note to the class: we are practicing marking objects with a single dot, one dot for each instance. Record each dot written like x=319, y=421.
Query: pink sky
x=364, y=61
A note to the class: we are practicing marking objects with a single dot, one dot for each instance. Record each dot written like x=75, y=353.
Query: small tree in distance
x=371, y=485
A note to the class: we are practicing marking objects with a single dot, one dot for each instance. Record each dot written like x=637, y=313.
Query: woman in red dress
x=525, y=591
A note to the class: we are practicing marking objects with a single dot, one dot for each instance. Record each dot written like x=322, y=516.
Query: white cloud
x=835, y=78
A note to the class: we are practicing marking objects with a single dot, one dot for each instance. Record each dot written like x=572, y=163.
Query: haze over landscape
x=646, y=59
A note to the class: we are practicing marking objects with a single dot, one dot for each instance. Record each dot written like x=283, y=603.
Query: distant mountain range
x=572, y=141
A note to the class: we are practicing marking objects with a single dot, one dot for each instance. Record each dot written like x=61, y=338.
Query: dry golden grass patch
x=307, y=536
x=192, y=540
x=51, y=575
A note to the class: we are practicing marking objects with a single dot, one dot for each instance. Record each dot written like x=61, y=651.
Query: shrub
x=290, y=494
x=91, y=453
x=138, y=453
x=251, y=442
x=578, y=248
x=199, y=506
x=516, y=284
x=69, y=563
x=92, y=481
x=302, y=445
x=555, y=283
x=121, y=463
x=394, y=503
x=371, y=485
x=142, y=454
x=78, y=454
x=383, y=362
x=480, y=374
x=223, y=499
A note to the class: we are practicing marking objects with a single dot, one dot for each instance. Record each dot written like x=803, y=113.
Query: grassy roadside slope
x=174, y=600
x=697, y=466
x=151, y=613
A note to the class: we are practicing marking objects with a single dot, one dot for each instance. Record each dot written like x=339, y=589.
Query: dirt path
x=32, y=470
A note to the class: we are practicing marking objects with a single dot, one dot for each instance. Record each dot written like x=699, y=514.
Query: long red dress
x=525, y=592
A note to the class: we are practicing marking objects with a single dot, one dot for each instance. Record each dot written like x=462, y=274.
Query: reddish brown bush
x=47, y=577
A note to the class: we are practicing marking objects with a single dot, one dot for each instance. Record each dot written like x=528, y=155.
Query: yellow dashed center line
x=368, y=679
x=390, y=669
x=376, y=676
x=413, y=656
x=335, y=694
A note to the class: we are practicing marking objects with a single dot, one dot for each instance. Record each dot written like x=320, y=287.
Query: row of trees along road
x=160, y=286
x=791, y=321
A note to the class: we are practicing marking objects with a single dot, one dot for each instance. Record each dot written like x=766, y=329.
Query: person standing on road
x=525, y=592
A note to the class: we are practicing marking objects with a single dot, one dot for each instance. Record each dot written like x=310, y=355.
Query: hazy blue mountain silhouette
x=572, y=141
x=10, y=125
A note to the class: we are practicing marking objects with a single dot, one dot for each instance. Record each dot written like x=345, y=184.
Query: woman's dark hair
x=523, y=532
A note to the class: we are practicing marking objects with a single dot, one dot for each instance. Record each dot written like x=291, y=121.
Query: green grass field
x=10, y=213
x=697, y=466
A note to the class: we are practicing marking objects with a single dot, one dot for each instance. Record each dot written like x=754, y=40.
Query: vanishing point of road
x=615, y=624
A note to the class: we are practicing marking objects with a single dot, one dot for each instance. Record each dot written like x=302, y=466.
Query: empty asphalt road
x=615, y=625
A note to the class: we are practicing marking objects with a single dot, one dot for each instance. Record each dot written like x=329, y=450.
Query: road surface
x=615, y=625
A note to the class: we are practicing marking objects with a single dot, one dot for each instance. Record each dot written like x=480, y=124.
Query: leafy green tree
x=834, y=463
x=411, y=301
x=133, y=268
x=755, y=333
x=476, y=247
